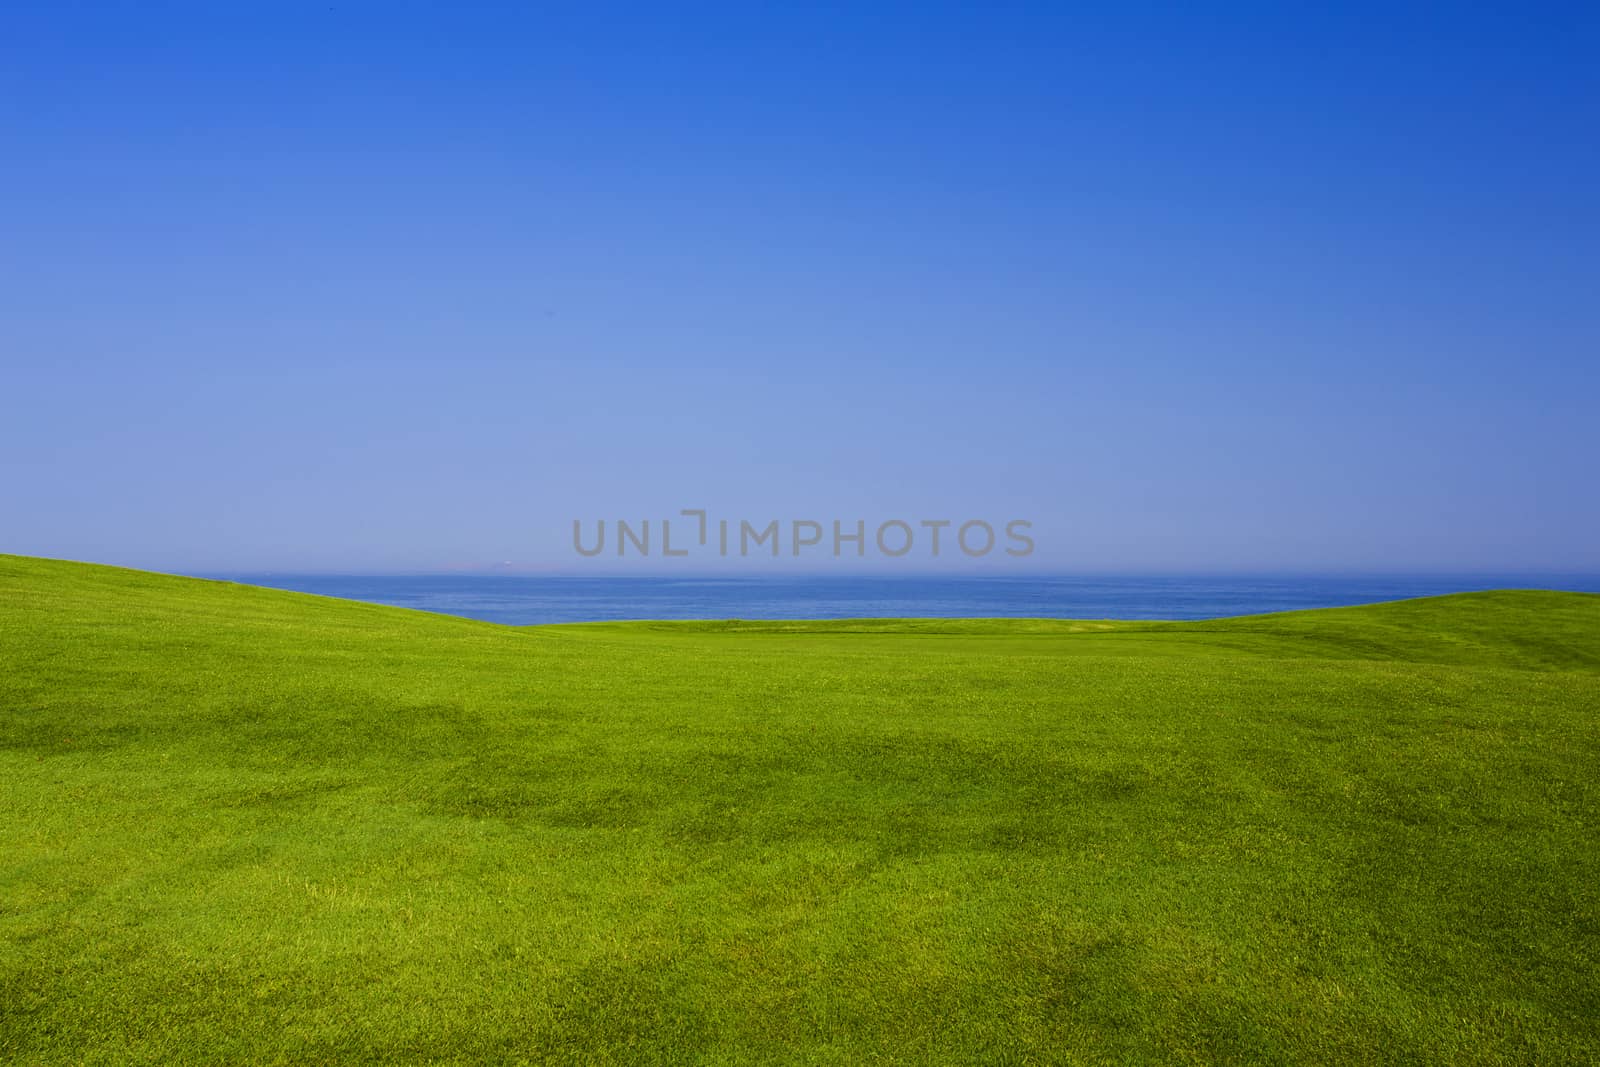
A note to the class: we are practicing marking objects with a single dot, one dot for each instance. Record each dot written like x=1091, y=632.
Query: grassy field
x=242, y=825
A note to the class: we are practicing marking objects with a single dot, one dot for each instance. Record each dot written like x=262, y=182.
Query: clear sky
x=410, y=287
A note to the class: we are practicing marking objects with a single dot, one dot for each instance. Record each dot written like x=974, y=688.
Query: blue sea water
x=529, y=600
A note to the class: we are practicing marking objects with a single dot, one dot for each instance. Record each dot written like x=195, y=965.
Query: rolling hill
x=239, y=824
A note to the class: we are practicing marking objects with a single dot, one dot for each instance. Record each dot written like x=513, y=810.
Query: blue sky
x=411, y=287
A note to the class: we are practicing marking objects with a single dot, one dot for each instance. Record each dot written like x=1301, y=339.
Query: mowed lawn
x=242, y=825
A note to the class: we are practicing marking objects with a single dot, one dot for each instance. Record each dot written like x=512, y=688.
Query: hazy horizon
x=788, y=569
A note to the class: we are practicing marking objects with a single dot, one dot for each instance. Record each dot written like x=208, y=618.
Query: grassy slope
x=237, y=823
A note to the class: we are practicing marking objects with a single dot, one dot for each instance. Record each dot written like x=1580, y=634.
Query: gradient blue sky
x=409, y=287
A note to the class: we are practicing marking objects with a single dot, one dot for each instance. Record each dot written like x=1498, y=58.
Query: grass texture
x=243, y=825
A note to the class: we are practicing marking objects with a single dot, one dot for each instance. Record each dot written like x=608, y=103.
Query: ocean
x=523, y=601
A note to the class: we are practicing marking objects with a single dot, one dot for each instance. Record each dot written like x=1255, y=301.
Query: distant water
x=529, y=600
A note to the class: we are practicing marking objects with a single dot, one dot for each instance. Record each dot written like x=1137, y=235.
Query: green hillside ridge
x=245, y=825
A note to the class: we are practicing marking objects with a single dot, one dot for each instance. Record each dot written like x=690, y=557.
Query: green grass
x=242, y=825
